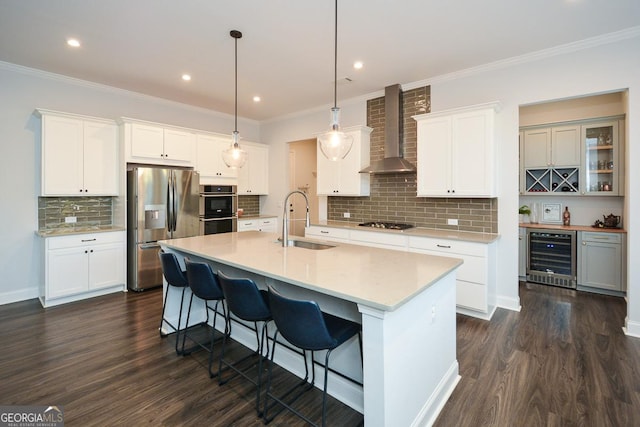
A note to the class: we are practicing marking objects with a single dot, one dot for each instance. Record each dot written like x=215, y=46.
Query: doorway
x=302, y=177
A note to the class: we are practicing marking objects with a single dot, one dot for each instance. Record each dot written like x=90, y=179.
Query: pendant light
x=234, y=156
x=335, y=144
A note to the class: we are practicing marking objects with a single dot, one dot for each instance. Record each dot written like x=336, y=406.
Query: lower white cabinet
x=81, y=266
x=601, y=261
x=327, y=233
x=475, y=278
x=267, y=225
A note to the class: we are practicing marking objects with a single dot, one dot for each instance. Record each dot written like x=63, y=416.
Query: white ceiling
x=286, y=53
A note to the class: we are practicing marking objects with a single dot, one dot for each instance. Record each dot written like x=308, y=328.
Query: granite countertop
x=67, y=231
x=466, y=236
x=379, y=278
x=572, y=227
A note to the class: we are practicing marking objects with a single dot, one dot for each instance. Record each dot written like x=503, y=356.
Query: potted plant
x=522, y=211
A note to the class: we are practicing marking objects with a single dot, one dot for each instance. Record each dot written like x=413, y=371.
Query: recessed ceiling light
x=256, y=98
x=73, y=42
x=358, y=65
x=186, y=77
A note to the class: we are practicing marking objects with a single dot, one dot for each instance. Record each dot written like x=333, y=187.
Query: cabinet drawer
x=448, y=246
x=378, y=238
x=247, y=225
x=595, y=236
x=471, y=295
x=327, y=232
x=60, y=242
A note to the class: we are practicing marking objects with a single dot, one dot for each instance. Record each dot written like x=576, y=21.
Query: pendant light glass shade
x=335, y=144
x=234, y=156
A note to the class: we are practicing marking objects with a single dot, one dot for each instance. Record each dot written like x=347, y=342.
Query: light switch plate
x=452, y=221
x=70, y=219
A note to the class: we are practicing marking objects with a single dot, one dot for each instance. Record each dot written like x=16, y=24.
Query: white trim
x=631, y=328
x=438, y=400
x=509, y=303
x=19, y=295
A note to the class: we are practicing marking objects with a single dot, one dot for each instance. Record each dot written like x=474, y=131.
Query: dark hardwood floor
x=562, y=361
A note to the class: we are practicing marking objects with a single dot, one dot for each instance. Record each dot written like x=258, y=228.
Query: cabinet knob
x=584, y=243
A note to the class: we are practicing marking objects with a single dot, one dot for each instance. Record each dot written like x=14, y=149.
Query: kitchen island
x=404, y=301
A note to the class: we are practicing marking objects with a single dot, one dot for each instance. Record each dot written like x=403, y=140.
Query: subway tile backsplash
x=393, y=196
x=89, y=212
x=249, y=204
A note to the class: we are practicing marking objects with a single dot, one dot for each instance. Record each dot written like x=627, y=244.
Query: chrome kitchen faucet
x=285, y=222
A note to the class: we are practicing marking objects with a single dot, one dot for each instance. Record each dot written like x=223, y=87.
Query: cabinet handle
x=86, y=252
x=444, y=246
x=91, y=251
x=88, y=240
x=584, y=243
x=324, y=232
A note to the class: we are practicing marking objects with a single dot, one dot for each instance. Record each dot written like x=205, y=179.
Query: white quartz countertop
x=378, y=278
x=467, y=236
x=67, y=231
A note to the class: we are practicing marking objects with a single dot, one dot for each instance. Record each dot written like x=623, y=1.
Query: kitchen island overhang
x=404, y=301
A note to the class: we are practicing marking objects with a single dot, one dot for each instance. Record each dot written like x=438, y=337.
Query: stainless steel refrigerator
x=162, y=203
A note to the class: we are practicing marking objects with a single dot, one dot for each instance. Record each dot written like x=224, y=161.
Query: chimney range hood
x=392, y=161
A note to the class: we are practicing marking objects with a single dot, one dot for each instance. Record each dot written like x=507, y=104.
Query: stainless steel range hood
x=392, y=161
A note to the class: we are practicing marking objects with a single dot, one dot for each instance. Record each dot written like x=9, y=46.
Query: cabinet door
x=147, y=141
x=253, y=178
x=565, y=146
x=601, y=265
x=209, y=158
x=472, y=167
x=328, y=180
x=62, y=156
x=602, y=159
x=434, y=154
x=106, y=265
x=100, y=158
x=67, y=272
x=537, y=146
x=179, y=146
x=247, y=225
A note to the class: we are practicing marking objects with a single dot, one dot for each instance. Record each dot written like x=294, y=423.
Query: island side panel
x=410, y=365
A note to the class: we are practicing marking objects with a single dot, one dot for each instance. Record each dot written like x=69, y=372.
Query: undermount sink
x=309, y=245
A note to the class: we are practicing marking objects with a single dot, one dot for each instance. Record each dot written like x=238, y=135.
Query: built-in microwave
x=218, y=206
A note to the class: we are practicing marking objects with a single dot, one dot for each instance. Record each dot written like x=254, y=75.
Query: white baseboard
x=509, y=303
x=19, y=295
x=631, y=328
x=431, y=409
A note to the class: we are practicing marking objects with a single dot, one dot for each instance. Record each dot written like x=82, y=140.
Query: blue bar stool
x=204, y=285
x=176, y=278
x=245, y=301
x=305, y=326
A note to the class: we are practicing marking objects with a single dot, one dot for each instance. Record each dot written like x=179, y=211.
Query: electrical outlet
x=70, y=219
x=346, y=215
x=452, y=221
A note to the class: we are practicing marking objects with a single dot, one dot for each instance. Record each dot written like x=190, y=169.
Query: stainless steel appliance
x=162, y=203
x=552, y=257
x=218, y=209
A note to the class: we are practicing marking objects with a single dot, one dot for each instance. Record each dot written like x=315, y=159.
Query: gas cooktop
x=386, y=225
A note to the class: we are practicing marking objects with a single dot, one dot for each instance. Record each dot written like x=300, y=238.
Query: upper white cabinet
x=156, y=144
x=456, y=151
x=210, y=164
x=253, y=177
x=79, y=155
x=343, y=177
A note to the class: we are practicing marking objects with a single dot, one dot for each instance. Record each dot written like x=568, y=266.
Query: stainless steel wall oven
x=218, y=209
x=552, y=257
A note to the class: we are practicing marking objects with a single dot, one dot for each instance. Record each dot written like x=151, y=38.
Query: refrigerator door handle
x=169, y=204
x=175, y=205
x=149, y=245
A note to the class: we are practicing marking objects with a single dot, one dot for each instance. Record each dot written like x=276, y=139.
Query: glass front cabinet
x=596, y=168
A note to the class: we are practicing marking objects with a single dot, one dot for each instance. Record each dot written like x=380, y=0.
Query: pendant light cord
x=236, y=88
x=335, y=60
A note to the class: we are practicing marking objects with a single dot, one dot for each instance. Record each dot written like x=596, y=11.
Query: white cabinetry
x=378, y=240
x=342, y=177
x=210, y=164
x=82, y=266
x=456, y=152
x=327, y=233
x=475, y=278
x=600, y=260
x=267, y=225
x=79, y=155
x=253, y=177
x=156, y=144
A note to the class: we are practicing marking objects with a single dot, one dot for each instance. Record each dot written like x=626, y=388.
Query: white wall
x=598, y=68
x=23, y=90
